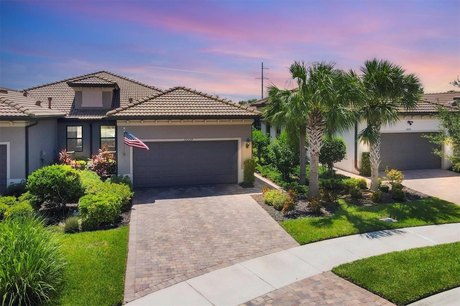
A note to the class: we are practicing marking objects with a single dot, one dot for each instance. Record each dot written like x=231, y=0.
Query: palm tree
x=321, y=103
x=386, y=89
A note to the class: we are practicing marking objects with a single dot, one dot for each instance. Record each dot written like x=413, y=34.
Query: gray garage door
x=186, y=163
x=3, y=166
x=406, y=151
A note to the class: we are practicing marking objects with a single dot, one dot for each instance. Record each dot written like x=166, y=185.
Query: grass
x=407, y=276
x=95, y=269
x=352, y=219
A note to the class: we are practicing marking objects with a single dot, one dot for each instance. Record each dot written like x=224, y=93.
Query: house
x=270, y=129
x=194, y=138
x=403, y=144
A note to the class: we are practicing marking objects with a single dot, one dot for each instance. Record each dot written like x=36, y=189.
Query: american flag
x=132, y=141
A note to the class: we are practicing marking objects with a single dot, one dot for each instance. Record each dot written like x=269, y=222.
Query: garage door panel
x=406, y=151
x=186, y=163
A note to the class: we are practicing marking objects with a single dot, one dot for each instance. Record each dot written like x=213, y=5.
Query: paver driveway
x=438, y=183
x=177, y=234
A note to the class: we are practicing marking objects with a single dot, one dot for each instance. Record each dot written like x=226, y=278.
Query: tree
x=450, y=131
x=260, y=142
x=247, y=102
x=321, y=103
x=333, y=150
x=386, y=88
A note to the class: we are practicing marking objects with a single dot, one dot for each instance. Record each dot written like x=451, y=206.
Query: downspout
x=356, y=146
x=27, y=146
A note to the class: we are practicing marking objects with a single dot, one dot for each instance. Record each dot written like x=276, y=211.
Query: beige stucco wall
x=420, y=124
x=181, y=131
x=15, y=137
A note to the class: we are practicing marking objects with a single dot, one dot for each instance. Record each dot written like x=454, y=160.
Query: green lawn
x=407, y=276
x=352, y=219
x=95, y=269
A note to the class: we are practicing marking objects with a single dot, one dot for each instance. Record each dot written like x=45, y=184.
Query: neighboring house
x=194, y=138
x=403, y=144
x=271, y=130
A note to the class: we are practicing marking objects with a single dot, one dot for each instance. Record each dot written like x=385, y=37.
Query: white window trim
x=8, y=174
x=240, y=172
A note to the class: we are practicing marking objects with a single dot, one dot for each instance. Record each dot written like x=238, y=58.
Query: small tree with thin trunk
x=386, y=89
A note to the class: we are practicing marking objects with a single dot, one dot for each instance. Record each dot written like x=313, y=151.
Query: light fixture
x=248, y=142
x=410, y=122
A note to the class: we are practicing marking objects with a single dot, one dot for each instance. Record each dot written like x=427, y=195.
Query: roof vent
x=38, y=103
x=49, y=102
x=25, y=93
x=130, y=100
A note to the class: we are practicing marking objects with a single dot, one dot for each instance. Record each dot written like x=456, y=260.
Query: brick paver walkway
x=322, y=289
x=173, y=240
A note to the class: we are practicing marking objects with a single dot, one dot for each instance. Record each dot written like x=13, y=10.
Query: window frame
x=75, y=138
x=103, y=138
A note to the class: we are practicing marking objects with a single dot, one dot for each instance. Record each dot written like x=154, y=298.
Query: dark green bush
x=377, y=196
x=99, y=209
x=365, y=168
x=72, y=225
x=298, y=189
x=56, y=185
x=398, y=195
x=31, y=265
x=121, y=179
x=260, y=142
x=332, y=184
x=357, y=183
x=456, y=167
x=16, y=189
x=384, y=188
x=356, y=193
x=332, y=151
x=249, y=168
x=271, y=173
x=282, y=156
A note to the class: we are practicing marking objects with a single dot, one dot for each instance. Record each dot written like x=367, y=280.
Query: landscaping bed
x=407, y=276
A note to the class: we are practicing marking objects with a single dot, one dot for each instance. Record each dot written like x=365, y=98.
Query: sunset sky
x=217, y=46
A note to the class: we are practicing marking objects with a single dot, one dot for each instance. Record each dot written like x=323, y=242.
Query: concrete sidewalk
x=252, y=278
x=447, y=298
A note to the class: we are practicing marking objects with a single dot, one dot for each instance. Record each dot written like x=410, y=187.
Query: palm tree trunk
x=302, y=156
x=374, y=157
x=315, y=129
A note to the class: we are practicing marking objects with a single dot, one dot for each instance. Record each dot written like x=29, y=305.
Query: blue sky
x=217, y=46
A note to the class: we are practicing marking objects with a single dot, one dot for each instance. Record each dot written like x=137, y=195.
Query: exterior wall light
x=248, y=142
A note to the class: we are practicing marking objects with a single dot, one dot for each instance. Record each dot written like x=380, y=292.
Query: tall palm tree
x=321, y=103
x=386, y=89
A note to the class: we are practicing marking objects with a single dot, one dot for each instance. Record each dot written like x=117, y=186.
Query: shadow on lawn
x=366, y=219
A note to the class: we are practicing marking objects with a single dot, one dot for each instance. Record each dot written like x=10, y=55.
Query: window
x=267, y=128
x=75, y=138
x=108, y=137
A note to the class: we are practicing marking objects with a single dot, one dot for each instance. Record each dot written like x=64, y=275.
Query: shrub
x=328, y=196
x=31, y=265
x=298, y=189
x=276, y=198
x=365, y=168
x=332, y=184
x=72, y=225
x=398, y=194
x=20, y=209
x=290, y=203
x=121, y=179
x=384, y=188
x=56, y=184
x=282, y=156
x=103, y=163
x=357, y=183
x=249, y=168
x=122, y=193
x=260, y=142
x=89, y=180
x=332, y=151
x=456, y=167
x=3, y=209
x=99, y=209
x=356, y=193
x=270, y=173
x=315, y=205
x=394, y=176
x=8, y=201
x=16, y=189
x=66, y=159
x=377, y=196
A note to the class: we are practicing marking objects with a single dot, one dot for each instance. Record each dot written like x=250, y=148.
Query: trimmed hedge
x=276, y=198
x=56, y=185
x=12, y=207
x=249, y=168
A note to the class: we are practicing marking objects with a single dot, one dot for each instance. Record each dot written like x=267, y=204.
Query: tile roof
x=63, y=95
x=13, y=104
x=180, y=103
x=92, y=81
